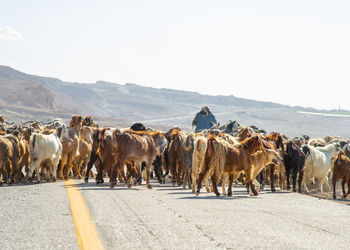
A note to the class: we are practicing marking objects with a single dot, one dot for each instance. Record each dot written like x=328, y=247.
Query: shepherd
x=204, y=120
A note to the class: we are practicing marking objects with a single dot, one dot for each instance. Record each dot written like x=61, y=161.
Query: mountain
x=33, y=92
x=27, y=96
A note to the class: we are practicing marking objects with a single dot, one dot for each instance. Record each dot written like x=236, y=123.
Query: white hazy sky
x=290, y=52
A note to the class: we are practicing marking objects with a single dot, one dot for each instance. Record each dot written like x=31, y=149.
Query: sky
x=290, y=52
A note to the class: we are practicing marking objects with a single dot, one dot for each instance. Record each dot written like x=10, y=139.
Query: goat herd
x=217, y=156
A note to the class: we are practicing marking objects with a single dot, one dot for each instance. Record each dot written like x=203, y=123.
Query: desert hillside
x=27, y=96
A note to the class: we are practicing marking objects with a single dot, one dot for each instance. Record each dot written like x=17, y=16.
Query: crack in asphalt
x=197, y=226
x=300, y=222
x=140, y=222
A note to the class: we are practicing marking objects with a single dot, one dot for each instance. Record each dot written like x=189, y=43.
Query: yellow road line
x=85, y=229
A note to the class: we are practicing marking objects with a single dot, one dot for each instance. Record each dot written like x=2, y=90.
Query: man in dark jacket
x=204, y=119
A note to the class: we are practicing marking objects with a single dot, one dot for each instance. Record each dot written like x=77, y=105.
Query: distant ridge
x=27, y=96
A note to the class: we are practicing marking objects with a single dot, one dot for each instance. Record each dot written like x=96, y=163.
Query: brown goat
x=138, y=147
x=275, y=141
x=176, y=157
x=89, y=121
x=106, y=153
x=223, y=157
x=188, y=147
x=106, y=158
x=244, y=133
x=95, y=159
x=341, y=170
x=24, y=153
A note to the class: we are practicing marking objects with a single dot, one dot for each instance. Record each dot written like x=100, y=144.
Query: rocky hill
x=34, y=97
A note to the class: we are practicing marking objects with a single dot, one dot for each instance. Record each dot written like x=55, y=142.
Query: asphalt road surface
x=170, y=217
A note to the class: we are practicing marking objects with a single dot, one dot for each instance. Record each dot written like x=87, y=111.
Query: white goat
x=318, y=164
x=46, y=148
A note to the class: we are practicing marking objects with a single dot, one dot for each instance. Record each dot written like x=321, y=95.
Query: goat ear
x=59, y=131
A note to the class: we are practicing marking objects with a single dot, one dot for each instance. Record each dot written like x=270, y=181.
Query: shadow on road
x=19, y=184
x=190, y=192
x=239, y=192
x=234, y=197
x=160, y=188
x=104, y=186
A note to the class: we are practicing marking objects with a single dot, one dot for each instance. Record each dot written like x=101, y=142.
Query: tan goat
x=70, y=152
x=199, y=149
x=9, y=157
x=85, y=147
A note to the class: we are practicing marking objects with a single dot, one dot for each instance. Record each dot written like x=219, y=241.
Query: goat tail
x=210, y=146
x=33, y=142
x=101, y=134
x=198, y=145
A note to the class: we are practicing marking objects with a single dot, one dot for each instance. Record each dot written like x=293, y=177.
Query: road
x=167, y=217
x=36, y=217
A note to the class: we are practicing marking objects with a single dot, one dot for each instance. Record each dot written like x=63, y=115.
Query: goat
x=188, y=146
x=9, y=157
x=341, y=170
x=222, y=157
x=319, y=163
x=136, y=146
x=85, y=147
x=45, y=148
x=70, y=148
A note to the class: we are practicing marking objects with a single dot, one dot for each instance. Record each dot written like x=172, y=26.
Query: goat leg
x=334, y=182
x=348, y=183
x=294, y=176
x=113, y=178
x=213, y=182
x=343, y=187
x=229, y=192
x=301, y=174
x=252, y=186
x=272, y=175
x=287, y=175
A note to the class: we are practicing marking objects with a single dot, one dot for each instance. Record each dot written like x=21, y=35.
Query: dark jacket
x=204, y=120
